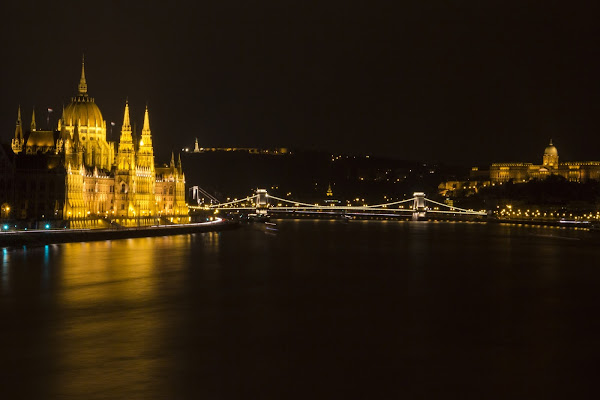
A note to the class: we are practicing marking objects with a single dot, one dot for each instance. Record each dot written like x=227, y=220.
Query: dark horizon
x=462, y=84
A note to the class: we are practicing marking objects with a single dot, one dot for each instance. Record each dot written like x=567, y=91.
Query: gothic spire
x=76, y=133
x=126, y=140
x=126, y=122
x=33, y=120
x=179, y=164
x=82, y=81
x=172, y=160
x=146, y=128
x=19, y=128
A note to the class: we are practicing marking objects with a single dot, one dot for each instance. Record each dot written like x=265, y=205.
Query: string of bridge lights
x=297, y=205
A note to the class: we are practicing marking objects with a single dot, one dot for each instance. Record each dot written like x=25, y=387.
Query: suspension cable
x=231, y=202
x=394, y=203
x=451, y=207
x=294, y=202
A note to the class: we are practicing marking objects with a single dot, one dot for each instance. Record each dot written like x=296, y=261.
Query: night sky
x=454, y=81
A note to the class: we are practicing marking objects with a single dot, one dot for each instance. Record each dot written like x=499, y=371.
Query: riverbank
x=43, y=237
x=592, y=226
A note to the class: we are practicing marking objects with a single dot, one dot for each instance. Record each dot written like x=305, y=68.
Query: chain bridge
x=418, y=207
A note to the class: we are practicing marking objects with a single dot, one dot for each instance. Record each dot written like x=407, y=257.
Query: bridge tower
x=419, y=207
x=194, y=195
x=262, y=201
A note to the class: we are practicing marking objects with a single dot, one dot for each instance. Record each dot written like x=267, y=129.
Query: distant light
x=47, y=226
x=5, y=227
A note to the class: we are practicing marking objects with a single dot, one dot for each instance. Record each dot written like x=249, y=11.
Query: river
x=313, y=309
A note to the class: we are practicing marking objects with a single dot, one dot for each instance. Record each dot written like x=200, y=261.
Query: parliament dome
x=82, y=111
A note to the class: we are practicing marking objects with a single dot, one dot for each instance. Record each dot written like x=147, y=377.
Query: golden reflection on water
x=113, y=323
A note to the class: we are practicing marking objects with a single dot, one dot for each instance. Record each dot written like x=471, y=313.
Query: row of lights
x=509, y=212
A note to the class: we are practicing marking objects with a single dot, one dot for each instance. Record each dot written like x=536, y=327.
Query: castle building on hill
x=74, y=174
x=518, y=172
x=574, y=171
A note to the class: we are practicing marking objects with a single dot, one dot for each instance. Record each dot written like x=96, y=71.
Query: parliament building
x=73, y=176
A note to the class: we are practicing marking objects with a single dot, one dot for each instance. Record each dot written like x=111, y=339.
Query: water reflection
x=112, y=321
x=241, y=314
x=4, y=276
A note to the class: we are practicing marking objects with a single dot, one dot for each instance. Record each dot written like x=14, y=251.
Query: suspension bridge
x=418, y=207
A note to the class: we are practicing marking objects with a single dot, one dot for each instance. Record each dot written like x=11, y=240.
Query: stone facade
x=74, y=174
x=575, y=171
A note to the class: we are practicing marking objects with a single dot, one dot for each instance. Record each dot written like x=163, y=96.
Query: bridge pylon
x=262, y=201
x=419, y=206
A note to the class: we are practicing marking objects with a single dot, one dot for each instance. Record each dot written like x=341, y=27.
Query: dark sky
x=454, y=81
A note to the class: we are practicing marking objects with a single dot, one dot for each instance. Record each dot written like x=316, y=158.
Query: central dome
x=82, y=111
x=551, y=150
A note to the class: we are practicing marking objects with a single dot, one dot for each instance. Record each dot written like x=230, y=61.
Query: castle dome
x=551, y=150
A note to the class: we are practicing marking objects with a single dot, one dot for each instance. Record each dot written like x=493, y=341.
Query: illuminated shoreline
x=53, y=236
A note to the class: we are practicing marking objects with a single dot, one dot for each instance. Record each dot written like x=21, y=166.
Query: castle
x=519, y=172
x=575, y=171
x=74, y=175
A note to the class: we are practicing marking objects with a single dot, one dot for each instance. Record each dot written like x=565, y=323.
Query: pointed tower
x=82, y=82
x=145, y=154
x=33, y=120
x=125, y=173
x=172, y=165
x=73, y=150
x=179, y=168
x=126, y=153
x=18, y=140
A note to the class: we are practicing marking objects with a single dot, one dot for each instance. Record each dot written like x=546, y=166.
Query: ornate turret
x=146, y=128
x=126, y=139
x=179, y=168
x=145, y=156
x=18, y=140
x=126, y=154
x=76, y=133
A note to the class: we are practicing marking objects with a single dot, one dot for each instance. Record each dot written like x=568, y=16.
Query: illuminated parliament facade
x=74, y=174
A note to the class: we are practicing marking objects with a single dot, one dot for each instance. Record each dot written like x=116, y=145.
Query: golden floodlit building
x=74, y=174
x=518, y=172
x=574, y=171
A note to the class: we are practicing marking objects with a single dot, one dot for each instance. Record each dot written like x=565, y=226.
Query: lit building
x=73, y=173
x=250, y=150
x=498, y=173
x=575, y=171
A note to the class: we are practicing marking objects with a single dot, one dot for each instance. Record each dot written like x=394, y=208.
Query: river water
x=315, y=309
